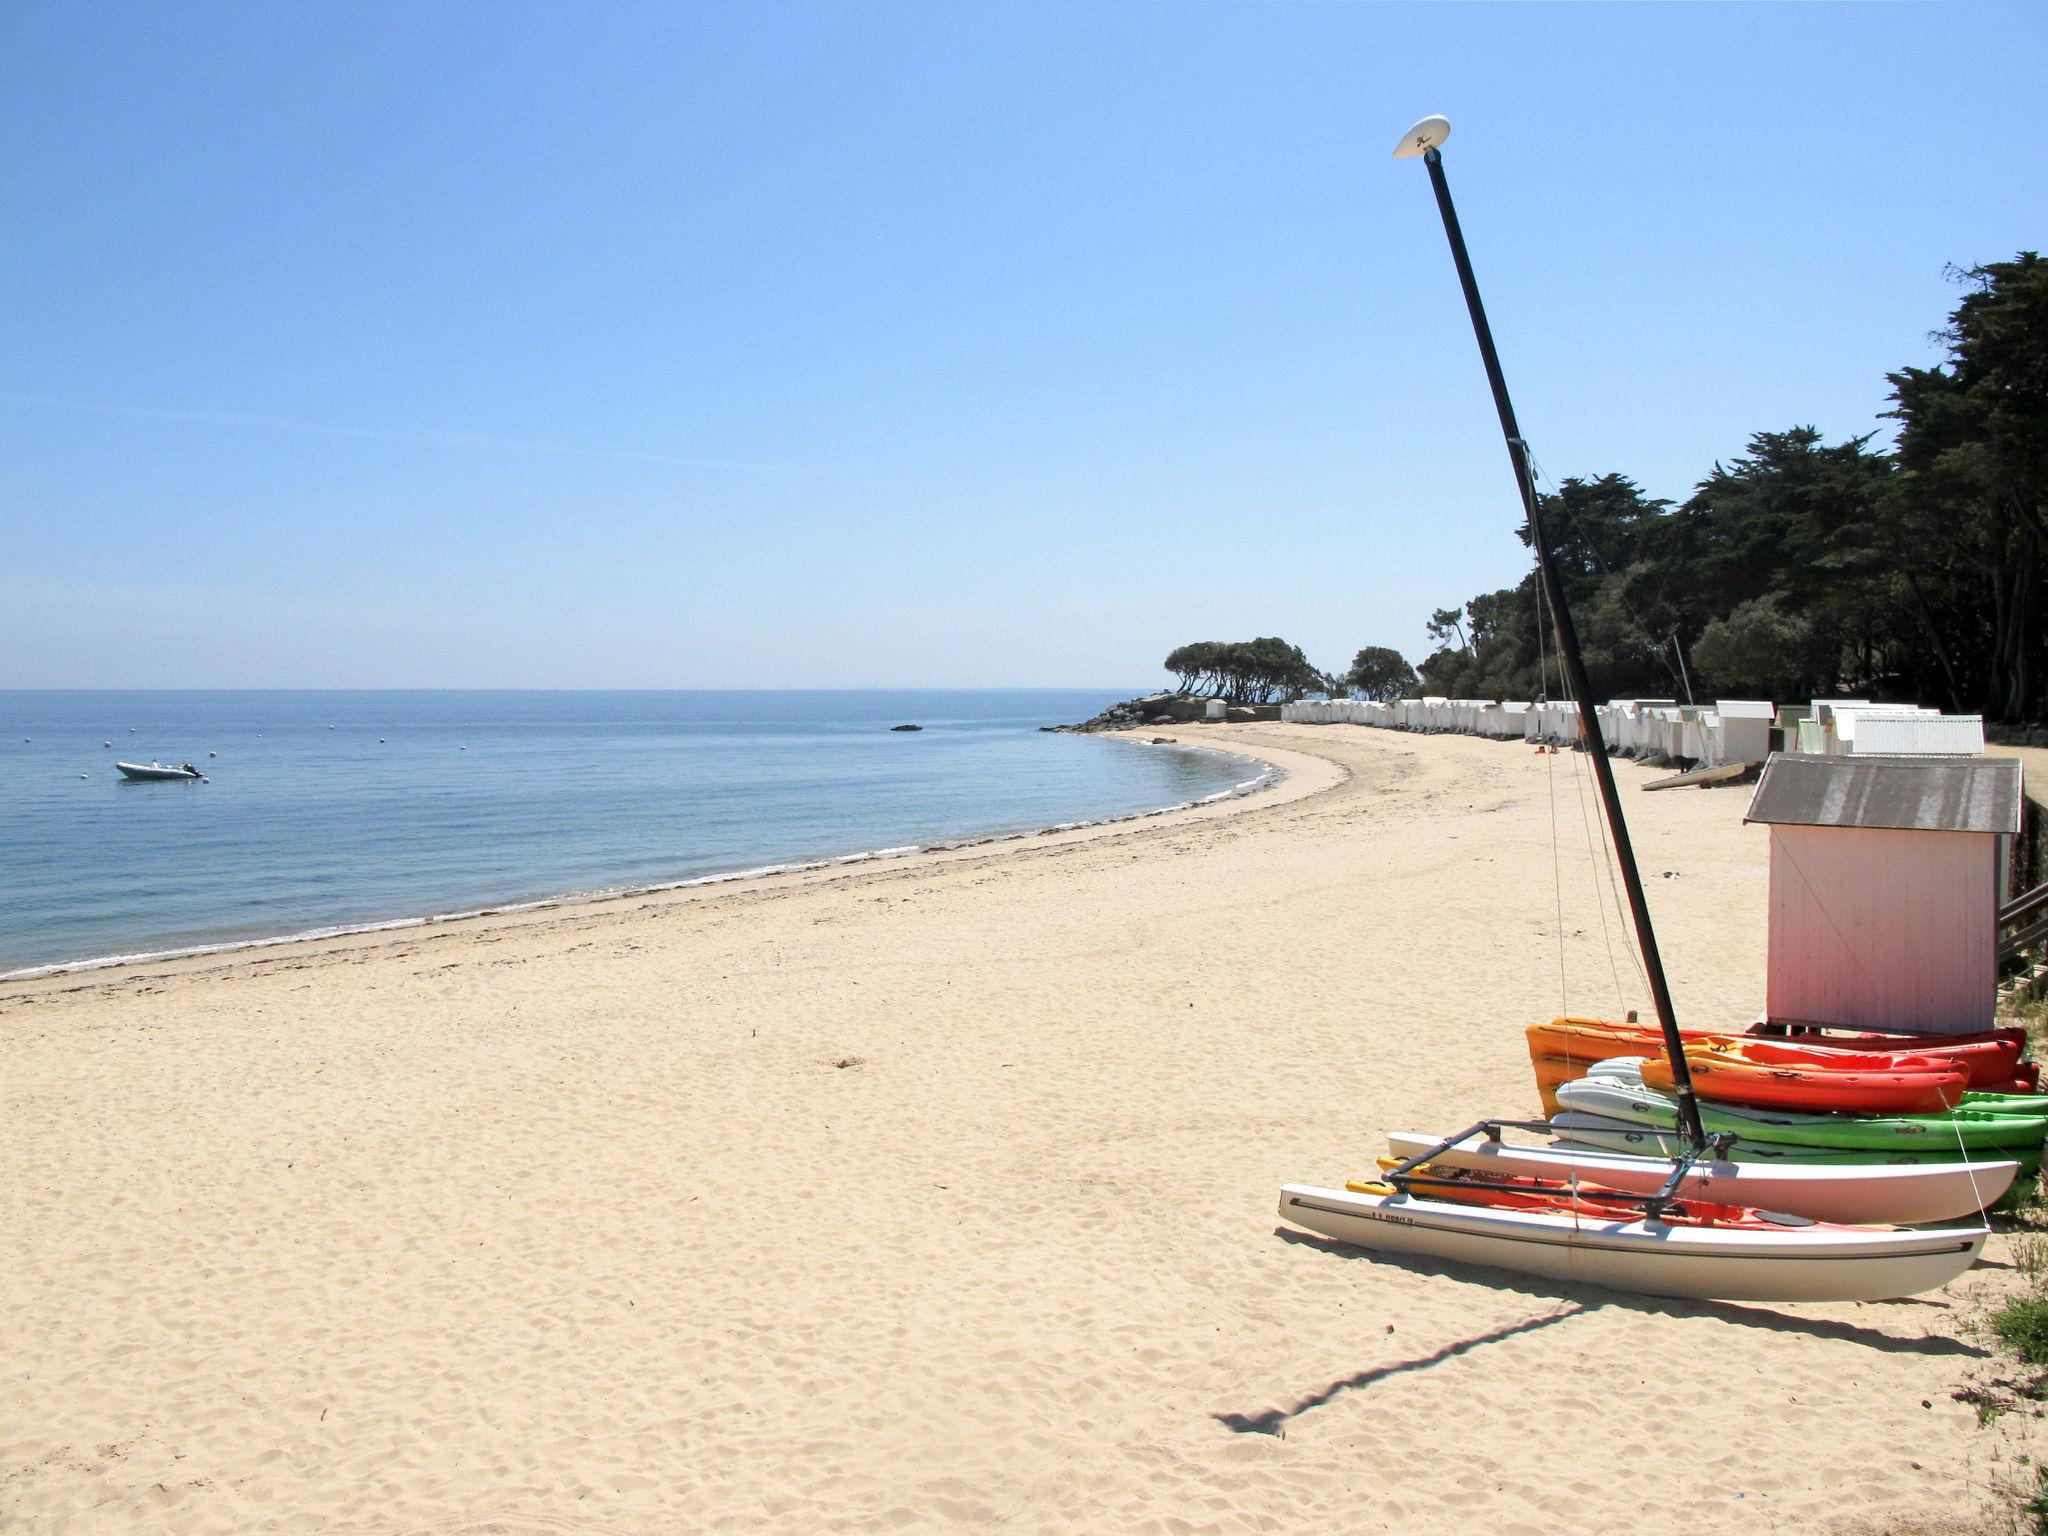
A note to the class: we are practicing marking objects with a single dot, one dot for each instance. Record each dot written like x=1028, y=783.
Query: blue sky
x=858, y=345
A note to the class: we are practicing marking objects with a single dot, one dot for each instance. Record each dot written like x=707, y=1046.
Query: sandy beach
x=934, y=1194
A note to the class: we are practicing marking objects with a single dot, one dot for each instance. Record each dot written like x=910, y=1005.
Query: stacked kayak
x=1822, y=1196
x=1854, y=1074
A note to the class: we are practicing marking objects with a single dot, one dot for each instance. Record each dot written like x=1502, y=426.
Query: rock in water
x=906, y=727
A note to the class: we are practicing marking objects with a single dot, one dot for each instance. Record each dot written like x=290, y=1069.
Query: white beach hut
x=1619, y=722
x=1886, y=874
x=1826, y=728
x=1745, y=735
x=1908, y=733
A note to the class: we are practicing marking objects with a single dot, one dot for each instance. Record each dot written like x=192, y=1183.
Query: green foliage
x=1803, y=567
x=1761, y=648
x=2021, y=1324
x=1244, y=671
x=1379, y=672
x=1443, y=624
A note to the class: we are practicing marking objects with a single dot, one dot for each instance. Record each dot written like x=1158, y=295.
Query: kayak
x=1976, y=1103
x=1640, y=1104
x=1771, y=1072
x=1578, y=1129
x=1992, y=1055
x=1991, y=1058
x=1731, y=1075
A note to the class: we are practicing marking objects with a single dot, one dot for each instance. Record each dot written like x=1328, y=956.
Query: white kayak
x=1896, y=1194
x=1798, y=1263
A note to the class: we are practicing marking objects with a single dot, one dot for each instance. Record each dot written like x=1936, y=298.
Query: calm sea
x=329, y=811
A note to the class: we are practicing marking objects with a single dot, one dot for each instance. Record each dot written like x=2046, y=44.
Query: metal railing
x=2023, y=924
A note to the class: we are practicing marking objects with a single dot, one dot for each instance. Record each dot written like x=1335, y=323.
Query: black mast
x=1425, y=136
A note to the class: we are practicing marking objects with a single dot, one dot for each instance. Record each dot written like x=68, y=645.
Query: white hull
x=1649, y=1258
x=151, y=771
x=1886, y=1194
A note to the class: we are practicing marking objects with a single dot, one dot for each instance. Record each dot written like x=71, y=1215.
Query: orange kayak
x=1991, y=1060
x=1730, y=1076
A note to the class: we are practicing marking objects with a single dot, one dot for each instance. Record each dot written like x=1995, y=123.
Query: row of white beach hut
x=1859, y=728
x=1724, y=733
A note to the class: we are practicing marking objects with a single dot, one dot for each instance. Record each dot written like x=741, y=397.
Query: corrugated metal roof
x=1921, y=794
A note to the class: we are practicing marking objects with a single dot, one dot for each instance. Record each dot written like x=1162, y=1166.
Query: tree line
x=1804, y=568
x=1269, y=669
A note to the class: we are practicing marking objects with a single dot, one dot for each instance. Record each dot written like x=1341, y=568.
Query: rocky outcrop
x=1165, y=709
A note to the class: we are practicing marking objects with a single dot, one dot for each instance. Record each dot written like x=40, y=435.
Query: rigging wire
x=1600, y=855
x=1564, y=1004
x=1599, y=863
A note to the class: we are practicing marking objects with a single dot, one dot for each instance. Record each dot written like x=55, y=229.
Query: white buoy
x=106, y=743
x=85, y=775
x=213, y=754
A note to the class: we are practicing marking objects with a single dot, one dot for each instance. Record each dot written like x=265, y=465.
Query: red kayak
x=1991, y=1057
x=1729, y=1074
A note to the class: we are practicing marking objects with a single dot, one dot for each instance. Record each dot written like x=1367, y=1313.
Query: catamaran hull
x=1647, y=1258
x=1890, y=1195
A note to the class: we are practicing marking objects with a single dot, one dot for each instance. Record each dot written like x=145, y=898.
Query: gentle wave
x=1267, y=776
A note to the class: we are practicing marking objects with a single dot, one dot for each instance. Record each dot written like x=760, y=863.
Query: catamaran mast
x=1423, y=139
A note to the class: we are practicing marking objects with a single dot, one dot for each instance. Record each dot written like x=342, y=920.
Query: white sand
x=574, y=1222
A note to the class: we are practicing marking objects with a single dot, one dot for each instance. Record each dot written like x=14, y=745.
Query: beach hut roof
x=1904, y=793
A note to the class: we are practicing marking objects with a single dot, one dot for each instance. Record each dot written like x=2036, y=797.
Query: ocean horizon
x=329, y=811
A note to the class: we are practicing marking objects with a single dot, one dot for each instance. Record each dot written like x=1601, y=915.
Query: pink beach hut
x=1886, y=876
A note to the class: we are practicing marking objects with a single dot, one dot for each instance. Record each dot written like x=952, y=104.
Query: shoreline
x=1271, y=777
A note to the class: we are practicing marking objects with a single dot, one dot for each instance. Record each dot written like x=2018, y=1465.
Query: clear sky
x=766, y=345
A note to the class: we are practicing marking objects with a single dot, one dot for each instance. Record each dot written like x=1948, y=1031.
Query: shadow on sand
x=1274, y=1420
x=1572, y=1300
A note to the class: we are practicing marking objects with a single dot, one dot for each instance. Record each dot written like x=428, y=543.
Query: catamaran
x=1636, y=1224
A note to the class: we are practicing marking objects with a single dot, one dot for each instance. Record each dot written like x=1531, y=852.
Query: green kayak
x=1608, y=1135
x=1979, y=1132
x=2034, y=1105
